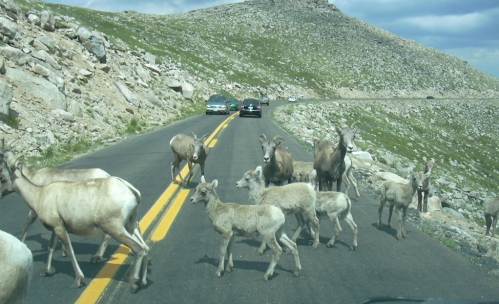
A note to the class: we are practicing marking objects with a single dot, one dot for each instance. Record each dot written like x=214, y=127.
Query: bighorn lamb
x=47, y=176
x=491, y=212
x=399, y=195
x=329, y=162
x=84, y=208
x=424, y=192
x=229, y=219
x=16, y=263
x=297, y=198
x=190, y=149
x=336, y=205
x=278, y=163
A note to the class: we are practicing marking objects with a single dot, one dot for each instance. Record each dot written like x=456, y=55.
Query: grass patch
x=12, y=121
x=58, y=154
x=135, y=126
x=450, y=243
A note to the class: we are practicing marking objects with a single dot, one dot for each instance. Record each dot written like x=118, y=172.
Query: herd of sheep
x=276, y=189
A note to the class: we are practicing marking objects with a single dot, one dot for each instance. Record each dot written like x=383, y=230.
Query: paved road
x=184, y=263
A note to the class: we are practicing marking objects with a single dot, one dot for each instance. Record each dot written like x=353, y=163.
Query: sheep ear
x=214, y=183
x=263, y=138
x=203, y=180
x=277, y=140
x=258, y=171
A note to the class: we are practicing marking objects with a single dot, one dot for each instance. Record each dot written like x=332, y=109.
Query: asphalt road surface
x=184, y=261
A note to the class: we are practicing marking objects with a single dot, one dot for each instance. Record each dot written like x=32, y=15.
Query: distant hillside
x=291, y=46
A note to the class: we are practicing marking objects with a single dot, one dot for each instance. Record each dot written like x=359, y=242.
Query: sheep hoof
x=79, y=282
x=330, y=245
x=134, y=287
x=353, y=248
x=220, y=273
x=260, y=251
x=296, y=273
x=315, y=245
x=96, y=259
x=268, y=276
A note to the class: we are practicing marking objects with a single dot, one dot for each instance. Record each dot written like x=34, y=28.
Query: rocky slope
x=65, y=87
x=291, y=47
x=400, y=135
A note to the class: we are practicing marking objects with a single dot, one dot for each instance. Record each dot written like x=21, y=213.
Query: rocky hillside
x=65, y=87
x=284, y=47
x=400, y=136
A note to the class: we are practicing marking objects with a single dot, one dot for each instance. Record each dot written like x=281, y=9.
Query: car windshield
x=217, y=100
x=250, y=101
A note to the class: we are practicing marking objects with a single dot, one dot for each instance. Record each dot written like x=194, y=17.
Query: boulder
x=434, y=204
x=363, y=155
x=149, y=58
x=38, y=88
x=94, y=43
x=48, y=42
x=47, y=21
x=45, y=57
x=8, y=28
x=59, y=113
x=390, y=177
x=5, y=97
x=33, y=19
x=11, y=8
x=187, y=90
x=129, y=95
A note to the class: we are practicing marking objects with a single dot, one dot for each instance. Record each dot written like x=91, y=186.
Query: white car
x=292, y=99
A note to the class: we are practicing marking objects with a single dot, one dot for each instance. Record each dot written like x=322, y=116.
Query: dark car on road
x=251, y=106
x=217, y=104
x=233, y=104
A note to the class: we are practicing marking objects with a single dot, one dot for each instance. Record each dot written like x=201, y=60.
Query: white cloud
x=446, y=23
x=486, y=59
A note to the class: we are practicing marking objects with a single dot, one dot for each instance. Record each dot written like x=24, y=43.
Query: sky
x=468, y=29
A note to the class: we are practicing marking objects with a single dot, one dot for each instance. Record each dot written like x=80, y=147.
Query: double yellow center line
x=97, y=287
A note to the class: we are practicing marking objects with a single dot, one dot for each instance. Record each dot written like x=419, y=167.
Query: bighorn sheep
x=190, y=149
x=399, y=195
x=83, y=208
x=424, y=192
x=229, y=219
x=297, y=198
x=491, y=212
x=329, y=162
x=278, y=163
x=16, y=262
x=336, y=205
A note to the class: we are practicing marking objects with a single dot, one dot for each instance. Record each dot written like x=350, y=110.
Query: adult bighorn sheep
x=85, y=208
x=424, y=192
x=296, y=198
x=16, y=262
x=399, y=196
x=229, y=219
x=491, y=212
x=278, y=163
x=190, y=149
x=47, y=176
x=329, y=162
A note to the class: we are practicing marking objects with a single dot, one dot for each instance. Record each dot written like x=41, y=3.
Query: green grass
x=135, y=126
x=58, y=154
x=12, y=121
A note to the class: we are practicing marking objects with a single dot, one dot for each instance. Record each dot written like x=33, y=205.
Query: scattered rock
x=63, y=115
x=47, y=21
x=5, y=97
x=187, y=90
x=8, y=28
x=93, y=42
x=129, y=95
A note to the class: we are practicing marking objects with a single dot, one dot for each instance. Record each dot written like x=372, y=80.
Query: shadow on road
x=239, y=264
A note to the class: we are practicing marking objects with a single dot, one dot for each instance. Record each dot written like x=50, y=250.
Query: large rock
x=5, y=97
x=48, y=42
x=33, y=19
x=93, y=42
x=47, y=21
x=37, y=88
x=187, y=90
x=45, y=57
x=8, y=28
x=129, y=95
x=391, y=177
x=10, y=8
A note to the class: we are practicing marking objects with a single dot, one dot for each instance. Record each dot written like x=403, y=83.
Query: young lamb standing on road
x=47, y=176
x=85, y=208
x=424, y=192
x=278, y=163
x=491, y=212
x=16, y=263
x=297, y=198
x=399, y=195
x=336, y=205
x=190, y=149
x=228, y=219
x=329, y=162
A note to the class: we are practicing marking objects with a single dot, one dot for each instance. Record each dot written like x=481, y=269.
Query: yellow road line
x=164, y=226
x=96, y=288
x=213, y=143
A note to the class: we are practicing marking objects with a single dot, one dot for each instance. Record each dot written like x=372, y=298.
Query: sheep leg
x=314, y=221
x=420, y=199
x=189, y=176
x=31, y=219
x=488, y=223
x=390, y=212
x=64, y=237
x=175, y=165
x=201, y=165
x=300, y=223
x=353, y=226
x=49, y=270
x=276, y=254
x=380, y=209
x=399, y=230
x=404, y=217
x=353, y=181
x=261, y=249
x=338, y=183
x=333, y=216
x=230, y=263
x=99, y=255
x=425, y=201
x=286, y=241
x=494, y=222
x=223, y=250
